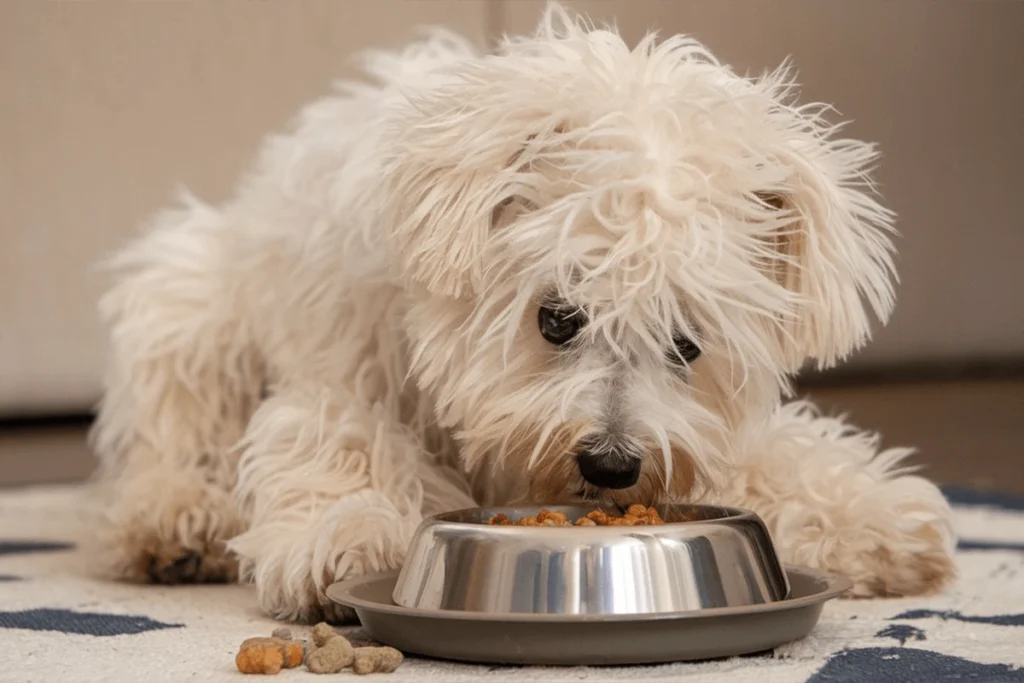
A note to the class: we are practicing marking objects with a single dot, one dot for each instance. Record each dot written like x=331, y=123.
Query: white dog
x=568, y=270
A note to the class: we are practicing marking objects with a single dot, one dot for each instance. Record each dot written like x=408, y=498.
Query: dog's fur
x=299, y=375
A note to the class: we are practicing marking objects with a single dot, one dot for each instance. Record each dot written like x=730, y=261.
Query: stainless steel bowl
x=703, y=557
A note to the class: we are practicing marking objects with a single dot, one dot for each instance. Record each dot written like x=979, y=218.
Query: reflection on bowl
x=702, y=557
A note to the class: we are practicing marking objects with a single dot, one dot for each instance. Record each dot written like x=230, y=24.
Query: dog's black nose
x=609, y=470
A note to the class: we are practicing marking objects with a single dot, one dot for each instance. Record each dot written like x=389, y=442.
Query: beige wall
x=106, y=107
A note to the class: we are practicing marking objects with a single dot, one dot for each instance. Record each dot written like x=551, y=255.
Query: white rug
x=56, y=624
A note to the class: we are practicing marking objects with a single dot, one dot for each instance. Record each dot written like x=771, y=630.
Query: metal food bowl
x=702, y=557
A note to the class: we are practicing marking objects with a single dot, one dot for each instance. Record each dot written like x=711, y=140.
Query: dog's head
x=615, y=257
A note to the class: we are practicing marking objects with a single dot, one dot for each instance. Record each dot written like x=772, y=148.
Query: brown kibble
x=282, y=633
x=261, y=656
x=259, y=661
x=335, y=654
x=636, y=515
x=558, y=518
x=321, y=633
x=636, y=510
x=380, y=660
x=268, y=655
x=294, y=651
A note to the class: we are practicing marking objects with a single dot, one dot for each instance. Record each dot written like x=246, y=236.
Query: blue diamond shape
x=85, y=623
x=22, y=547
x=905, y=664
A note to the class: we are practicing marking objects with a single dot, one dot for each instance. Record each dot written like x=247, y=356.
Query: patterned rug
x=57, y=624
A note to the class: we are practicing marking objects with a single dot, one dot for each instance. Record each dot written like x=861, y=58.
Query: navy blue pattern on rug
x=909, y=665
x=84, y=623
x=24, y=547
x=960, y=496
x=994, y=620
x=967, y=545
x=902, y=633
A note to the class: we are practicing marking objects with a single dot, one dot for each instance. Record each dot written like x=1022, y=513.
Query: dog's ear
x=835, y=255
x=451, y=180
x=438, y=222
x=445, y=180
x=439, y=242
x=451, y=151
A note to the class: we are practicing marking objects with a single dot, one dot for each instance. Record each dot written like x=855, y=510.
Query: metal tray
x=589, y=639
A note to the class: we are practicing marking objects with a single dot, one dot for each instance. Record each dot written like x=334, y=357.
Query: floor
x=966, y=432
x=969, y=433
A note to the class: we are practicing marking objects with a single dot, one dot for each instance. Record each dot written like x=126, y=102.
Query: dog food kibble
x=329, y=652
x=259, y=656
x=293, y=652
x=268, y=655
x=321, y=633
x=335, y=655
x=376, y=660
x=548, y=518
x=636, y=515
x=598, y=517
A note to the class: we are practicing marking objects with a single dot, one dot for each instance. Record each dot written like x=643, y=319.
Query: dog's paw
x=292, y=572
x=168, y=539
x=295, y=597
x=171, y=565
x=906, y=554
x=144, y=554
x=892, y=573
x=906, y=557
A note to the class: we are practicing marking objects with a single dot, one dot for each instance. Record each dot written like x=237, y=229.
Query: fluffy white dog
x=567, y=270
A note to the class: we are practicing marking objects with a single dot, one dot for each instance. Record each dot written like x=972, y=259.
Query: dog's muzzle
x=609, y=470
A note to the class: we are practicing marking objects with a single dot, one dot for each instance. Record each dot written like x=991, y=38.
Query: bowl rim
x=441, y=519
x=833, y=585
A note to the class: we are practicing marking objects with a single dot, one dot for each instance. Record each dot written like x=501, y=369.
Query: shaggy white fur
x=566, y=270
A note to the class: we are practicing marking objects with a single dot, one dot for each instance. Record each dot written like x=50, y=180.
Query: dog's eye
x=560, y=326
x=685, y=349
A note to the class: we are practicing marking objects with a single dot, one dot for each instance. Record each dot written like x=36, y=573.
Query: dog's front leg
x=332, y=488
x=833, y=501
